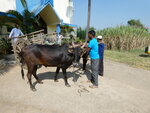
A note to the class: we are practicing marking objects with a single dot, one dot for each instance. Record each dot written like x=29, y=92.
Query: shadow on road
x=144, y=55
x=6, y=63
x=75, y=74
x=50, y=76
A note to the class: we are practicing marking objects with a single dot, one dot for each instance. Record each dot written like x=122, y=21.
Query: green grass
x=131, y=58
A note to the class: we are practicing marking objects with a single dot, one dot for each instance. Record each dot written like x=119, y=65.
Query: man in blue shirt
x=93, y=52
x=101, y=47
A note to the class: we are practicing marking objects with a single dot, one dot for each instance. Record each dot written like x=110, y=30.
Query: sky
x=111, y=13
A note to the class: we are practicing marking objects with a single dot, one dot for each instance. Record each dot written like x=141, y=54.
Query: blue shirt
x=101, y=47
x=93, y=45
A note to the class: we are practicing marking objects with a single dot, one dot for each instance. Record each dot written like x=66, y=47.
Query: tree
x=27, y=21
x=136, y=23
x=81, y=33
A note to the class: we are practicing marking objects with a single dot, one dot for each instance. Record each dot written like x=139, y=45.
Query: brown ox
x=52, y=56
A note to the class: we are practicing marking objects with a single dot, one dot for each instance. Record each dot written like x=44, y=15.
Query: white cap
x=99, y=37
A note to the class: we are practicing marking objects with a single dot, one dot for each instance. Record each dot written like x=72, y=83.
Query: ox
x=51, y=56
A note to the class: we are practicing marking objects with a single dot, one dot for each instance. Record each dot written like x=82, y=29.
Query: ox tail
x=22, y=72
x=21, y=64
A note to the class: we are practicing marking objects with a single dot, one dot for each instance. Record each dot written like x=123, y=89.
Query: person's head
x=91, y=34
x=99, y=38
x=16, y=25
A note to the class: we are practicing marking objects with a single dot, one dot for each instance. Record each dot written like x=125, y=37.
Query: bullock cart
x=37, y=37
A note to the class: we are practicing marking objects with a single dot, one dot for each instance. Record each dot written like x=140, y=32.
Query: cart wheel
x=17, y=48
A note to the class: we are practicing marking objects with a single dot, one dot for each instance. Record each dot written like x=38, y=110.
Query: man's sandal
x=93, y=86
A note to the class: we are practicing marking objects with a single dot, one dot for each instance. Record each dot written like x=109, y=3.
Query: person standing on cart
x=15, y=32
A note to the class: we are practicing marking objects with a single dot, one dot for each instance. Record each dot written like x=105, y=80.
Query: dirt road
x=122, y=90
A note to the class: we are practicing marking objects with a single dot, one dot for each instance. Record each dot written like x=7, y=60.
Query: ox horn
x=73, y=45
x=83, y=45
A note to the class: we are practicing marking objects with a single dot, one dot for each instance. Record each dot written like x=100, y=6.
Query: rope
x=82, y=89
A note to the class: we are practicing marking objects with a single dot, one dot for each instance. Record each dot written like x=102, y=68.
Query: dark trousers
x=84, y=63
x=94, y=69
x=101, y=67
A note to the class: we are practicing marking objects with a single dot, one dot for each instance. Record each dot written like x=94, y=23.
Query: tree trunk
x=88, y=20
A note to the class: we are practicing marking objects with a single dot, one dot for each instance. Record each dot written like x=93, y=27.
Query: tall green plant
x=125, y=37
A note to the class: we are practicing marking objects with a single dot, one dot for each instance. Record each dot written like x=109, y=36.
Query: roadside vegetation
x=129, y=37
x=125, y=37
x=135, y=58
x=5, y=46
x=125, y=44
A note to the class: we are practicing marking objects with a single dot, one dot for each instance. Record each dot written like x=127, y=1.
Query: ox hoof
x=56, y=80
x=40, y=82
x=33, y=89
x=67, y=85
x=74, y=80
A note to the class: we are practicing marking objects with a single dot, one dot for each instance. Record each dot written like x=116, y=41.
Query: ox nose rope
x=82, y=89
x=84, y=51
x=73, y=73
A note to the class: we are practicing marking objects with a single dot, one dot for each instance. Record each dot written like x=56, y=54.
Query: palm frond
x=27, y=21
x=16, y=14
x=24, y=4
x=30, y=18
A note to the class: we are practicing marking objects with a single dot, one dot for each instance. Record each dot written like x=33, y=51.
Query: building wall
x=51, y=29
x=64, y=9
x=6, y=5
x=4, y=30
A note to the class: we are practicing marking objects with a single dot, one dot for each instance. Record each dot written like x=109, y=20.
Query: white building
x=64, y=8
x=6, y=5
x=55, y=13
